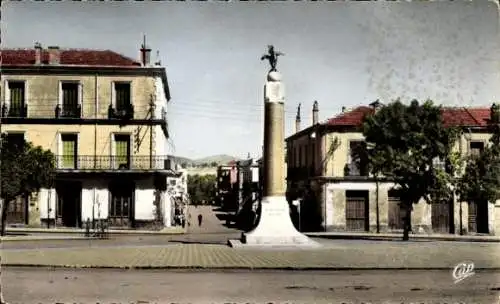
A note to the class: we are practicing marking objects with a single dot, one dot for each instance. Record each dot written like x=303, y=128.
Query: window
x=122, y=151
x=122, y=96
x=15, y=139
x=476, y=148
x=356, y=160
x=173, y=182
x=17, y=99
x=69, y=150
x=70, y=99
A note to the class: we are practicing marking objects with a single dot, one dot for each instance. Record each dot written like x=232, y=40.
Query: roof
x=80, y=57
x=452, y=117
x=25, y=58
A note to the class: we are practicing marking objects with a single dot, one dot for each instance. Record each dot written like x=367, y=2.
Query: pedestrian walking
x=200, y=219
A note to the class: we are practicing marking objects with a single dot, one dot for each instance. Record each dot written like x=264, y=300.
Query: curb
x=110, y=232
x=21, y=239
x=399, y=239
x=199, y=267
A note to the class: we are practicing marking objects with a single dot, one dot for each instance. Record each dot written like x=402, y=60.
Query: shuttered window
x=122, y=149
x=69, y=99
x=17, y=101
x=69, y=150
x=122, y=95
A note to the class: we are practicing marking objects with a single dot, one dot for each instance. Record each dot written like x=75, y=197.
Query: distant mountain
x=181, y=160
x=220, y=159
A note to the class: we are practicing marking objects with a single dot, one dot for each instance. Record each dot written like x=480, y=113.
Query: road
x=113, y=286
x=211, y=231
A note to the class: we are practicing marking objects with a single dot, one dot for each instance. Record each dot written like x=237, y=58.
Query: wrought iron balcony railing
x=17, y=111
x=106, y=162
x=88, y=109
x=125, y=112
x=68, y=112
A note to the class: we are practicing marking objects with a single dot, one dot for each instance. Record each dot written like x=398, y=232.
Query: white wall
x=168, y=206
x=160, y=142
x=47, y=200
x=95, y=198
x=144, y=200
x=161, y=100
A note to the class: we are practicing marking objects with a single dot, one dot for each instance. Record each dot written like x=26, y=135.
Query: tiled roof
x=452, y=116
x=26, y=57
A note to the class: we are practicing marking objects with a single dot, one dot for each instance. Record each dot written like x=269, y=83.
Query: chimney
x=38, y=53
x=158, y=61
x=315, y=112
x=145, y=53
x=297, y=120
x=54, y=55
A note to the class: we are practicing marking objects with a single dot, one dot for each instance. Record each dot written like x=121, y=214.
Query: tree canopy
x=410, y=145
x=202, y=188
x=24, y=170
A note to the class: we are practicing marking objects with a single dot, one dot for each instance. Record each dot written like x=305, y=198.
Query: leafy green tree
x=481, y=179
x=202, y=188
x=24, y=170
x=410, y=145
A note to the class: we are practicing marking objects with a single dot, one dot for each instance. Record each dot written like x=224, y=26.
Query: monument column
x=275, y=226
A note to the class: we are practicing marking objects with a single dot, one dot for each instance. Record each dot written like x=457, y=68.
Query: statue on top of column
x=272, y=56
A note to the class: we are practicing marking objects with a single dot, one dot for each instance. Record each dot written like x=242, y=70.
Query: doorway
x=122, y=204
x=69, y=206
x=442, y=217
x=357, y=211
x=478, y=217
x=17, y=211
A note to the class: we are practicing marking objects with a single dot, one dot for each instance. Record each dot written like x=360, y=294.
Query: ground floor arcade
x=125, y=200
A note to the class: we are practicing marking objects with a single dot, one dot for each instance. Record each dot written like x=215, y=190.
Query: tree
x=24, y=170
x=481, y=179
x=202, y=187
x=409, y=144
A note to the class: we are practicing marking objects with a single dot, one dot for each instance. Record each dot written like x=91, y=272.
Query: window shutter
x=60, y=95
x=80, y=93
x=7, y=93
x=113, y=97
x=26, y=95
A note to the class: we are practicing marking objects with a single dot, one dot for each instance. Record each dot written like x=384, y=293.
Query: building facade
x=337, y=194
x=104, y=117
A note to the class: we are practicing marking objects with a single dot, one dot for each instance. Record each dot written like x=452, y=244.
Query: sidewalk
x=398, y=237
x=344, y=255
x=32, y=234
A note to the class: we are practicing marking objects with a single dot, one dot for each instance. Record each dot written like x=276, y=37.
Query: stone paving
x=417, y=255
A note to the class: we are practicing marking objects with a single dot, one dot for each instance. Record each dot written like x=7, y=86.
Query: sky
x=338, y=53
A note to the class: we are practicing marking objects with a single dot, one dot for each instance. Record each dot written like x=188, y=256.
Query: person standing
x=200, y=219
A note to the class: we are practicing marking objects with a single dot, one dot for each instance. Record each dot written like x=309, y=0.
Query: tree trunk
x=407, y=221
x=3, y=217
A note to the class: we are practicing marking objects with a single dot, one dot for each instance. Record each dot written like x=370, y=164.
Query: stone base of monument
x=275, y=228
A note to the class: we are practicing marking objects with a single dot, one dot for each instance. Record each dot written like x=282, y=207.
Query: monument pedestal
x=275, y=227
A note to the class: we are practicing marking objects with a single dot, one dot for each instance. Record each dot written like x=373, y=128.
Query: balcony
x=355, y=170
x=124, y=112
x=112, y=163
x=20, y=111
x=68, y=112
x=46, y=109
